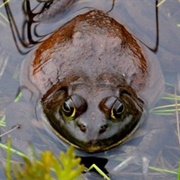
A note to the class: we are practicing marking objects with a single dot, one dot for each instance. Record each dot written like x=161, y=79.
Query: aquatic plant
x=46, y=167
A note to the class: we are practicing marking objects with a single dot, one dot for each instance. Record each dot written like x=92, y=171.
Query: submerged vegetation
x=168, y=109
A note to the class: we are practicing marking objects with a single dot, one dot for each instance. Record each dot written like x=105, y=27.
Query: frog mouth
x=98, y=145
x=94, y=146
x=93, y=143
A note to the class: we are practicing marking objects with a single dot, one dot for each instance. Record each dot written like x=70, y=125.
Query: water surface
x=139, y=18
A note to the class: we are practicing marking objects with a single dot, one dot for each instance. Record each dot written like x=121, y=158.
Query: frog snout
x=100, y=128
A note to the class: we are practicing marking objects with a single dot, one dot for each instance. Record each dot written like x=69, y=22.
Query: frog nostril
x=103, y=128
x=82, y=127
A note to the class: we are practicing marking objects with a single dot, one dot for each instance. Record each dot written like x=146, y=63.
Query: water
x=139, y=18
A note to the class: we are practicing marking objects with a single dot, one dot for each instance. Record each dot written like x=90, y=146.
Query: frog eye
x=72, y=107
x=68, y=108
x=112, y=107
x=117, y=110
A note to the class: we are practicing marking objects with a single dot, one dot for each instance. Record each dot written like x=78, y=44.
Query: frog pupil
x=68, y=107
x=118, y=109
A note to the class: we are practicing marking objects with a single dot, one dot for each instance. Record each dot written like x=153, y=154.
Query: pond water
x=156, y=138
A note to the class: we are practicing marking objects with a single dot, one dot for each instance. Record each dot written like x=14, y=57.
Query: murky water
x=139, y=18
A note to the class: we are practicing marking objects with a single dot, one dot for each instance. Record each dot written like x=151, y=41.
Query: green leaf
x=70, y=165
x=47, y=167
x=8, y=163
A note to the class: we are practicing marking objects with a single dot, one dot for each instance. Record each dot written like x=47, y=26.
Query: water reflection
x=130, y=14
x=40, y=13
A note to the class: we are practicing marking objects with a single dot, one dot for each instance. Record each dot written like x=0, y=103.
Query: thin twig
x=12, y=129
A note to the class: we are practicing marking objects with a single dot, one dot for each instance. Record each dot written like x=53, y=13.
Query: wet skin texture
x=91, y=73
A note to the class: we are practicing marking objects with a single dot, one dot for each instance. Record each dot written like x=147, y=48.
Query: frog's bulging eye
x=72, y=107
x=117, y=110
x=68, y=108
x=112, y=107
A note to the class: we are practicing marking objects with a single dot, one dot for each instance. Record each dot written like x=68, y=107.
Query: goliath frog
x=94, y=80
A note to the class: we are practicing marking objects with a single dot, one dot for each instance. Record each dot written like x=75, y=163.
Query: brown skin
x=90, y=73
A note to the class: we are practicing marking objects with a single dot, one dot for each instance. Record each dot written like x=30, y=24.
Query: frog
x=92, y=77
x=89, y=76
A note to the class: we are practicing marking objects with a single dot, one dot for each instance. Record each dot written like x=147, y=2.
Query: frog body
x=95, y=81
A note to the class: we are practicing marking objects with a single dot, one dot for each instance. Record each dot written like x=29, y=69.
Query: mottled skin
x=84, y=72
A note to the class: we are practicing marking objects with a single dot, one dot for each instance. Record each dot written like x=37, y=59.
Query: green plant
x=47, y=167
